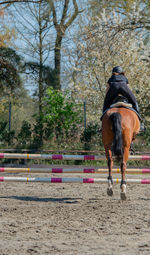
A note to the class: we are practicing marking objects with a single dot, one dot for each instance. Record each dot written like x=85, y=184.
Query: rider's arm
x=127, y=82
x=107, y=88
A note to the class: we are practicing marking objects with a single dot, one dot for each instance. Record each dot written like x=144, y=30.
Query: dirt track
x=71, y=219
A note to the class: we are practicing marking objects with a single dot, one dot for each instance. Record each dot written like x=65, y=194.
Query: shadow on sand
x=67, y=200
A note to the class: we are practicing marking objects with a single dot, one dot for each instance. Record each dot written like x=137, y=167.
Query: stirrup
x=142, y=127
x=132, y=149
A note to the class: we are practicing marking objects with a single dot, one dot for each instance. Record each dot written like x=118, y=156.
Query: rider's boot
x=136, y=107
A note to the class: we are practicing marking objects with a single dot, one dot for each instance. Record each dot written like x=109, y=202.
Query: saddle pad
x=123, y=104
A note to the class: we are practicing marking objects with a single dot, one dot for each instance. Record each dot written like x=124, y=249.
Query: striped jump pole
x=50, y=156
x=64, y=157
x=73, y=169
x=70, y=180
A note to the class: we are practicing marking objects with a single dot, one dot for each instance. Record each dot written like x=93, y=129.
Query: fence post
x=84, y=115
x=9, y=116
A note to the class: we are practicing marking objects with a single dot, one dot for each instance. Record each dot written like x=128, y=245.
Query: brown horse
x=119, y=128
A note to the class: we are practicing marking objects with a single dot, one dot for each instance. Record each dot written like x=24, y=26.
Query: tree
x=62, y=19
x=59, y=114
x=11, y=67
x=33, y=25
x=11, y=64
x=135, y=13
x=10, y=61
x=6, y=35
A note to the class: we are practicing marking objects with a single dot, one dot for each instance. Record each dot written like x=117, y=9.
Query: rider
x=118, y=84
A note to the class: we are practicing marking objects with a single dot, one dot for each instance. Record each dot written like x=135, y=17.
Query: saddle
x=121, y=101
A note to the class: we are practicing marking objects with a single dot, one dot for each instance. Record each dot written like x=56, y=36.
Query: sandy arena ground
x=70, y=219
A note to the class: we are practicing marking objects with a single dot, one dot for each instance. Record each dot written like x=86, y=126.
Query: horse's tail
x=117, y=131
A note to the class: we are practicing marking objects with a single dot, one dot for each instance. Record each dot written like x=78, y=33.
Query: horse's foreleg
x=110, y=165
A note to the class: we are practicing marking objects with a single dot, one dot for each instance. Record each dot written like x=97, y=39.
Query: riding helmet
x=117, y=69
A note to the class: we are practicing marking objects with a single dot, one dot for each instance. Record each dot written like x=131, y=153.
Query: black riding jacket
x=118, y=85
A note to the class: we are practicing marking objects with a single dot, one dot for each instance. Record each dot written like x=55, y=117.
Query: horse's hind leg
x=123, y=182
x=123, y=171
x=110, y=165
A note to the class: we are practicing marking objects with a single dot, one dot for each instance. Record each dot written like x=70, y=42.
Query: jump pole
x=58, y=170
x=70, y=180
x=64, y=157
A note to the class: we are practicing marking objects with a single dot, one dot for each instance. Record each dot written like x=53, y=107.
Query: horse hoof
x=123, y=196
x=110, y=192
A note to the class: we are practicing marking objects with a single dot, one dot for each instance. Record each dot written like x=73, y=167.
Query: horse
x=120, y=126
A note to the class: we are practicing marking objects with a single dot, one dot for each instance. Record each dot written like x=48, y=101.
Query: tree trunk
x=57, y=51
x=61, y=28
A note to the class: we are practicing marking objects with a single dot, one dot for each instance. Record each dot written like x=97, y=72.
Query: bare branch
x=54, y=14
x=76, y=11
x=18, y=1
x=64, y=12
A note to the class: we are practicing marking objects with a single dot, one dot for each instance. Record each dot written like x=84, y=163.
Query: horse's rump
x=119, y=127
